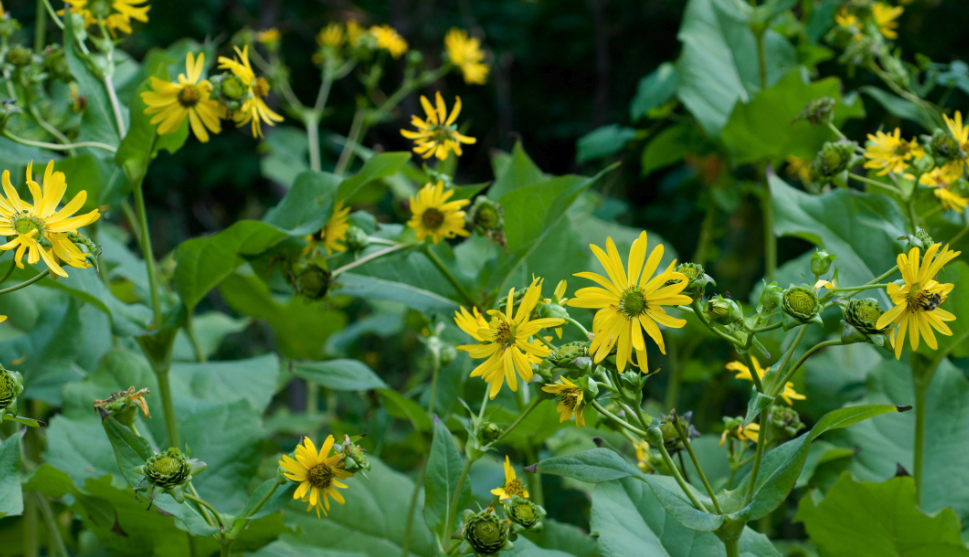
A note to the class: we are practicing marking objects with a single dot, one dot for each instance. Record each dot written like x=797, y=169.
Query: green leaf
x=669, y=147
x=405, y=409
x=98, y=122
x=844, y=222
x=863, y=518
x=340, y=375
x=202, y=263
x=288, y=153
x=381, y=165
x=603, y=142
x=287, y=546
x=282, y=495
x=757, y=403
x=764, y=128
x=130, y=449
x=719, y=65
x=82, y=174
x=444, y=466
x=11, y=494
x=142, y=143
x=371, y=522
x=518, y=172
x=904, y=109
x=250, y=379
x=628, y=520
x=654, y=90
x=373, y=288
x=51, y=349
x=211, y=328
x=308, y=204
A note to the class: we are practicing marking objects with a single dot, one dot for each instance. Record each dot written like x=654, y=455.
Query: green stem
x=356, y=129
x=921, y=386
x=860, y=288
x=225, y=550
x=585, y=332
x=448, y=524
x=25, y=283
x=875, y=183
x=312, y=123
x=706, y=234
x=31, y=546
x=371, y=257
x=521, y=417
x=312, y=398
x=679, y=478
x=767, y=328
x=685, y=437
x=190, y=330
x=788, y=355
x=779, y=386
x=53, y=14
x=146, y=252
x=910, y=205
x=205, y=504
x=758, y=456
x=758, y=382
x=165, y=390
x=405, y=545
x=56, y=146
x=732, y=546
x=53, y=530
x=435, y=373
x=595, y=404
x=837, y=132
x=13, y=265
x=770, y=240
x=698, y=311
x=484, y=404
x=426, y=248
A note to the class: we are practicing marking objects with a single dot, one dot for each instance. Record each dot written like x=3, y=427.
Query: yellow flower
x=512, y=485
x=558, y=297
x=118, y=13
x=270, y=35
x=642, y=456
x=317, y=474
x=389, y=40
x=959, y=132
x=885, y=17
x=917, y=302
x=437, y=135
x=465, y=53
x=332, y=234
x=171, y=103
x=941, y=180
x=571, y=403
x=796, y=166
x=891, y=153
x=749, y=433
x=743, y=372
x=951, y=201
x=844, y=19
x=628, y=305
x=353, y=33
x=504, y=341
x=40, y=229
x=434, y=216
x=254, y=109
x=331, y=36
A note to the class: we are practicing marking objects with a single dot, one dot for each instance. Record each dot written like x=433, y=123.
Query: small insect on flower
x=512, y=486
x=317, y=473
x=189, y=97
x=743, y=372
x=630, y=304
x=433, y=215
x=437, y=135
x=254, y=109
x=891, y=153
x=40, y=229
x=918, y=298
x=332, y=235
x=115, y=14
x=505, y=340
x=571, y=402
x=465, y=53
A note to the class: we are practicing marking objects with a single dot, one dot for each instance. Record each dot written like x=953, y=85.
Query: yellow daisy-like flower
x=254, y=109
x=885, y=17
x=270, y=35
x=844, y=19
x=116, y=14
x=389, y=40
x=959, y=132
x=941, y=180
x=188, y=97
x=437, y=135
x=331, y=36
x=317, y=474
x=629, y=304
x=743, y=372
x=504, y=341
x=891, y=153
x=433, y=215
x=512, y=484
x=749, y=433
x=796, y=166
x=917, y=302
x=642, y=456
x=571, y=403
x=40, y=229
x=353, y=33
x=951, y=201
x=332, y=234
x=465, y=53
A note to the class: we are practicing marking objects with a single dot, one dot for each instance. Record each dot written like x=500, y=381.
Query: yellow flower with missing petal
x=743, y=372
x=571, y=403
x=891, y=153
x=332, y=234
x=505, y=340
x=513, y=485
x=389, y=40
x=433, y=215
x=437, y=135
x=188, y=98
x=40, y=229
x=885, y=17
x=254, y=109
x=116, y=14
x=318, y=474
x=917, y=302
x=629, y=304
x=465, y=53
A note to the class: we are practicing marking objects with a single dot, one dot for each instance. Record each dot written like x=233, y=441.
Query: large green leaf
x=764, y=128
x=251, y=379
x=444, y=466
x=98, y=122
x=519, y=171
x=308, y=204
x=380, y=165
x=373, y=288
x=654, y=90
x=669, y=147
x=48, y=353
x=202, y=263
x=404, y=408
x=718, y=66
x=863, y=518
x=603, y=142
x=340, y=375
x=11, y=494
x=629, y=521
x=287, y=546
x=844, y=222
x=82, y=174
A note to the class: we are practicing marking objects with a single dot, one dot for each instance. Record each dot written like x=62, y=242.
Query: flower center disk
x=320, y=476
x=432, y=218
x=188, y=96
x=633, y=303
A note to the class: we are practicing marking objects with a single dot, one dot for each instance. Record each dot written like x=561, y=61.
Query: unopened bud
x=802, y=305
x=314, y=281
x=723, y=311
x=524, y=513
x=170, y=471
x=833, y=159
x=485, y=532
x=19, y=56
x=356, y=238
x=821, y=262
x=11, y=386
x=818, y=112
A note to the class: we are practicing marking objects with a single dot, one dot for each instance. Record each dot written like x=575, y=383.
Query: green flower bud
x=485, y=532
x=230, y=90
x=671, y=437
x=921, y=239
x=723, y=311
x=314, y=281
x=863, y=315
x=356, y=238
x=7, y=109
x=554, y=311
x=11, y=386
x=124, y=405
x=448, y=354
x=770, y=298
x=19, y=56
x=943, y=147
x=819, y=112
x=490, y=432
x=55, y=62
x=698, y=279
x=170, y=471
x=785, y=421
x=488, y=219
x=100, y=9
x=525, y=513
x=353, y=458
x=821, y=262
x=800, y=303
x=8, y=26
x=415, y=57
x=654, y=435
x=833, y=159
x=566, y=354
